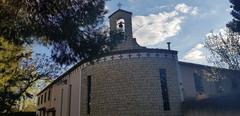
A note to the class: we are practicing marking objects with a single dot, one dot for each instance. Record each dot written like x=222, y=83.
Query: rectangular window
x=49, y=94
x=89, y=92
x=43, y=113
x=219, y=86
x=45, y=97
x=54, y=113
x=164, y=88
x=234, y=84
x=41, y=99
x=38, y=101
x=198, y=83
x=61, y=103
x=70, y=100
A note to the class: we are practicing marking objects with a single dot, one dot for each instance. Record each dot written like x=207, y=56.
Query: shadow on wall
x=216, y=106
x=20, y=114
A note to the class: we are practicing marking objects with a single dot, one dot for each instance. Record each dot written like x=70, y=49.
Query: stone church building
x=132, y=80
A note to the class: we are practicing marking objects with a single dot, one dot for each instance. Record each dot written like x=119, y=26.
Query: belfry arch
x=122, y=20
x=120, y=25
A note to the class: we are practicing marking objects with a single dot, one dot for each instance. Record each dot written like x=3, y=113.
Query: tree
x=224, y=48
x=234, y=25
x=71, y=27
x=18, y=72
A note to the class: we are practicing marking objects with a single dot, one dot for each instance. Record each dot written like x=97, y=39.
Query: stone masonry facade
x=130, y=87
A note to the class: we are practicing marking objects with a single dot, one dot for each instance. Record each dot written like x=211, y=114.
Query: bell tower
x=121, y=21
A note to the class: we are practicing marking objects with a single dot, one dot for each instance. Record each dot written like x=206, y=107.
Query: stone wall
x=131, y=87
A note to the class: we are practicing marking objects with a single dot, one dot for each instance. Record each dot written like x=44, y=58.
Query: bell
x=120, y=25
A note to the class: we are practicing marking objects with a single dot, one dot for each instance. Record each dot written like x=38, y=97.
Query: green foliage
x=19, y=72
x=71, y=27
x=10, y=55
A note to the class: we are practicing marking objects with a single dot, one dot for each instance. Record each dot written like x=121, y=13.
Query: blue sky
x=185, y=23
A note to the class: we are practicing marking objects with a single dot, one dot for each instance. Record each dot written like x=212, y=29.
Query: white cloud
x=199, y=46
x=196, y=54
x=156, y=28
x=195, y=11
x=183, y=8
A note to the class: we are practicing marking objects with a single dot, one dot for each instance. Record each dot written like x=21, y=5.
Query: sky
x=184, y=23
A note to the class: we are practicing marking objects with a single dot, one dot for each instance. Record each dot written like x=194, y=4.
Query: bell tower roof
x=120, y=11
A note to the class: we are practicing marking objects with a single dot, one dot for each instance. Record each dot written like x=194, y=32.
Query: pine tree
x=71, y=27
x=234, y=25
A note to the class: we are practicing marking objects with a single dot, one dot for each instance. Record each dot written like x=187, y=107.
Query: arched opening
x=120, y=25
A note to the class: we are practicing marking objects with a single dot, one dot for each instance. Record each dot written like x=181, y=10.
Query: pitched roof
x=120, y=10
